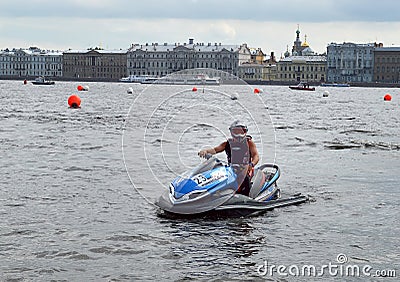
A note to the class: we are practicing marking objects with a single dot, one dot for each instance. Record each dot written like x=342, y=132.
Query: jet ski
x=210, y=190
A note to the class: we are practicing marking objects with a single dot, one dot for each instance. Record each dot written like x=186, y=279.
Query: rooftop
x=388, y=49
x=32, y=51
x=201, y=47
x=101, y=51
x=316, y=58
x=345, y=44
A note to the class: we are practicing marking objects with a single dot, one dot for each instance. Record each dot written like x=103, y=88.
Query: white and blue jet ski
x=210, y=189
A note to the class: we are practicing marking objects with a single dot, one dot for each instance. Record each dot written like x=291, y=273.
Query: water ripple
x=69, y=212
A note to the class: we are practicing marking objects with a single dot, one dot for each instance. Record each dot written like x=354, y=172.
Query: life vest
x=238, y=152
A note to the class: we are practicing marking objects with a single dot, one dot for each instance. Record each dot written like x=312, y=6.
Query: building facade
x=302, y=68
x=387, y=64
x=161, y=60
x=261, y=68
x=257, y=56
x=30, y=62
x=95, y=64
x=257, y=72
x=350, y=62
x=251, y=71
x=302, y=64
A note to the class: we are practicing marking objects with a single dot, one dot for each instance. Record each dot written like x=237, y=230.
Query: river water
x=77, y=185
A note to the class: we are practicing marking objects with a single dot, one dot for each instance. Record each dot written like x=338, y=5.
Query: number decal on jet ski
x=199, y=179
x=202, y=180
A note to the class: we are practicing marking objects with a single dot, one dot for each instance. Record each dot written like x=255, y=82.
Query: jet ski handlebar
x=208, y=156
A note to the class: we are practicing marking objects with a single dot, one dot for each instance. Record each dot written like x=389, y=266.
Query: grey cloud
x=258, y=10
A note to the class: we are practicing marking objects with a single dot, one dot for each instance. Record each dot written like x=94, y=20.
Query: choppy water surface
x=69, y=211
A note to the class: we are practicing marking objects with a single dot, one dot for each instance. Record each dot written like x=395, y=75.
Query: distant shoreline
x=352, y=84
x=250, y=82
x=29, y=79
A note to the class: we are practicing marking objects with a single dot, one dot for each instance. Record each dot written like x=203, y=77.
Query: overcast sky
x=266, y=24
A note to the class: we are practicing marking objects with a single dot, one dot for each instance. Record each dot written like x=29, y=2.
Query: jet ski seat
x=256, y=183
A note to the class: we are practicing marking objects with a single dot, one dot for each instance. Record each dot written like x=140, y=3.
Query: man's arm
x=215, y=150
x=254, y=153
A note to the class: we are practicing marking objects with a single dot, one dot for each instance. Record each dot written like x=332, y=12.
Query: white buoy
x=130, y=90
x=325, y=94
x=234, y=96
x=85, y=88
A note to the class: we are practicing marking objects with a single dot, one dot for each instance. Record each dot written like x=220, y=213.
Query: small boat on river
x=136, y=78
x=302, y=86
x=41, y=80
x=184, y=80
x=335, y=84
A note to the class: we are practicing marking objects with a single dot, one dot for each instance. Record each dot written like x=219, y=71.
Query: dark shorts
x=244, y=188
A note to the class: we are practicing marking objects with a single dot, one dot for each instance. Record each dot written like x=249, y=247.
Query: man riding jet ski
x=241, y=153
x=236, y=188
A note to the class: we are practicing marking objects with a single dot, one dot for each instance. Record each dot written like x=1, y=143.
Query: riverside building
x=303, y=64
x=302, y=68
x=95, y=64
x=163, y=59
x=350, y=62
x=387, y=64
x=31, y=62
x=259, y=69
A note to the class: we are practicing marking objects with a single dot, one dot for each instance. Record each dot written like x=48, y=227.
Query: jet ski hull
x=241, y=206
x=210, y=189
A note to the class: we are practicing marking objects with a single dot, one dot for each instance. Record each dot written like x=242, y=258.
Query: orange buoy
x=80, y=88
x=387, y=97
x=256, y=90
x=194, y=89
x=74, y=101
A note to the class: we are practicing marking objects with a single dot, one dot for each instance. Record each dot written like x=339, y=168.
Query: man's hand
x=203, y=153
x=250, y=169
